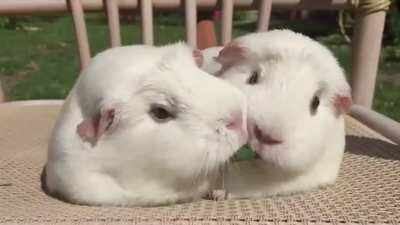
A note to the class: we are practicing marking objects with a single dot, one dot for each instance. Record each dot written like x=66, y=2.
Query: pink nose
x=236, y=123
x=265, y=138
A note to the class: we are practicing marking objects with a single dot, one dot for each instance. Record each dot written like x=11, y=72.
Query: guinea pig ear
x=105, y=121
x=231, y=54
x=342, y=102
x=198, y=57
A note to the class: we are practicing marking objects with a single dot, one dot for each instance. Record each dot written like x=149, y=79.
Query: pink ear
x=198, y=57
x=342, y=102
x=107, y=121
x=92, y=129
x=231, y=54
x=87, y=129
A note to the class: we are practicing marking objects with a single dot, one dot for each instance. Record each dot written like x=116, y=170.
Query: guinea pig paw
x=219, y=195
x=228, y=196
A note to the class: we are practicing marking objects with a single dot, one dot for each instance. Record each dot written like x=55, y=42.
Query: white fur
x=209, y=64
x=143, y=162
x=292, y=68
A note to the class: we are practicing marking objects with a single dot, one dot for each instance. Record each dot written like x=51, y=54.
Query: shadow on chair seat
x=372, y=147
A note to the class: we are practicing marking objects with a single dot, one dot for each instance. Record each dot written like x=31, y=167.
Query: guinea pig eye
x=253, y=78
x=314, y=104
x=160, y=113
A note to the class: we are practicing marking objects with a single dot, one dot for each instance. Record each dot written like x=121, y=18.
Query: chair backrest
x=146, y=10
x=367, y=34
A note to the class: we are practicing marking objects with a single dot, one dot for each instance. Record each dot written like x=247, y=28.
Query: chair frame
x=365, y=50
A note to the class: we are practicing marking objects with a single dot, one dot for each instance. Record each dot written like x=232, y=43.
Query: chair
x=368, y=187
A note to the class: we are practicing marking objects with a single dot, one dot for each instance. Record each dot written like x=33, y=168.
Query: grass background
x=38, y=59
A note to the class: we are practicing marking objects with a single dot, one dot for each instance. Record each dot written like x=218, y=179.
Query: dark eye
x=253, y=78
x=160, y=113
x=314, y=104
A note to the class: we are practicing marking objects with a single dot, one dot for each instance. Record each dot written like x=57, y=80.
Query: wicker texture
x=367, y=191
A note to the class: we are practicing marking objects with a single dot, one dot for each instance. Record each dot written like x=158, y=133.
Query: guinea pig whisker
x=201, y=168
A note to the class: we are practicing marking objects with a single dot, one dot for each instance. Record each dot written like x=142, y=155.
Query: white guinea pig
x=140, y=129
x=297, y=95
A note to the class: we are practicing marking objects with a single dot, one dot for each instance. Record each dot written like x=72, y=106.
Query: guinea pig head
x=178, y=120
x=295, y=102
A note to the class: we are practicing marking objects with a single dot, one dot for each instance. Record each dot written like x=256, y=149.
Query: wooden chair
x=368, y=187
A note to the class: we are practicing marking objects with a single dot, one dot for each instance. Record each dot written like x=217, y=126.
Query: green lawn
x=38, y=60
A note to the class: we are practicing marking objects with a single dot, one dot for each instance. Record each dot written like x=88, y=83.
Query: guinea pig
x=140, y=129
x=297, y=94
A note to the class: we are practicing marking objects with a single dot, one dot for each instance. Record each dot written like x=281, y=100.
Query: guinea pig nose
x=265, y=138
x=237, y=123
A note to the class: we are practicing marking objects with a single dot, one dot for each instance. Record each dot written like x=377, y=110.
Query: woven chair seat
x=367, y=190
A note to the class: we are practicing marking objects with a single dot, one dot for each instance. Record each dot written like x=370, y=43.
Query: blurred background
x=38, y=58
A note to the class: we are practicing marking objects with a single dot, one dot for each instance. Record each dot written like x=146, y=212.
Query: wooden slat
x=264, y=15
x=227, y=17
x=190, y=22
x=146, y=7
x=80, y=32
x=2, y=95
x=112, y=11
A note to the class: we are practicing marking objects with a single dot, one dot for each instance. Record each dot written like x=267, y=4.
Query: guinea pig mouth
x=265, y=138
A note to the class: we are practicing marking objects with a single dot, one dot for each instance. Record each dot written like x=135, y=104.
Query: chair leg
x=205, y=31
x=365, y=55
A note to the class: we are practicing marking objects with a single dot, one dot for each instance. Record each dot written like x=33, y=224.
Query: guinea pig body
x=138, y=129
x=297, y=94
